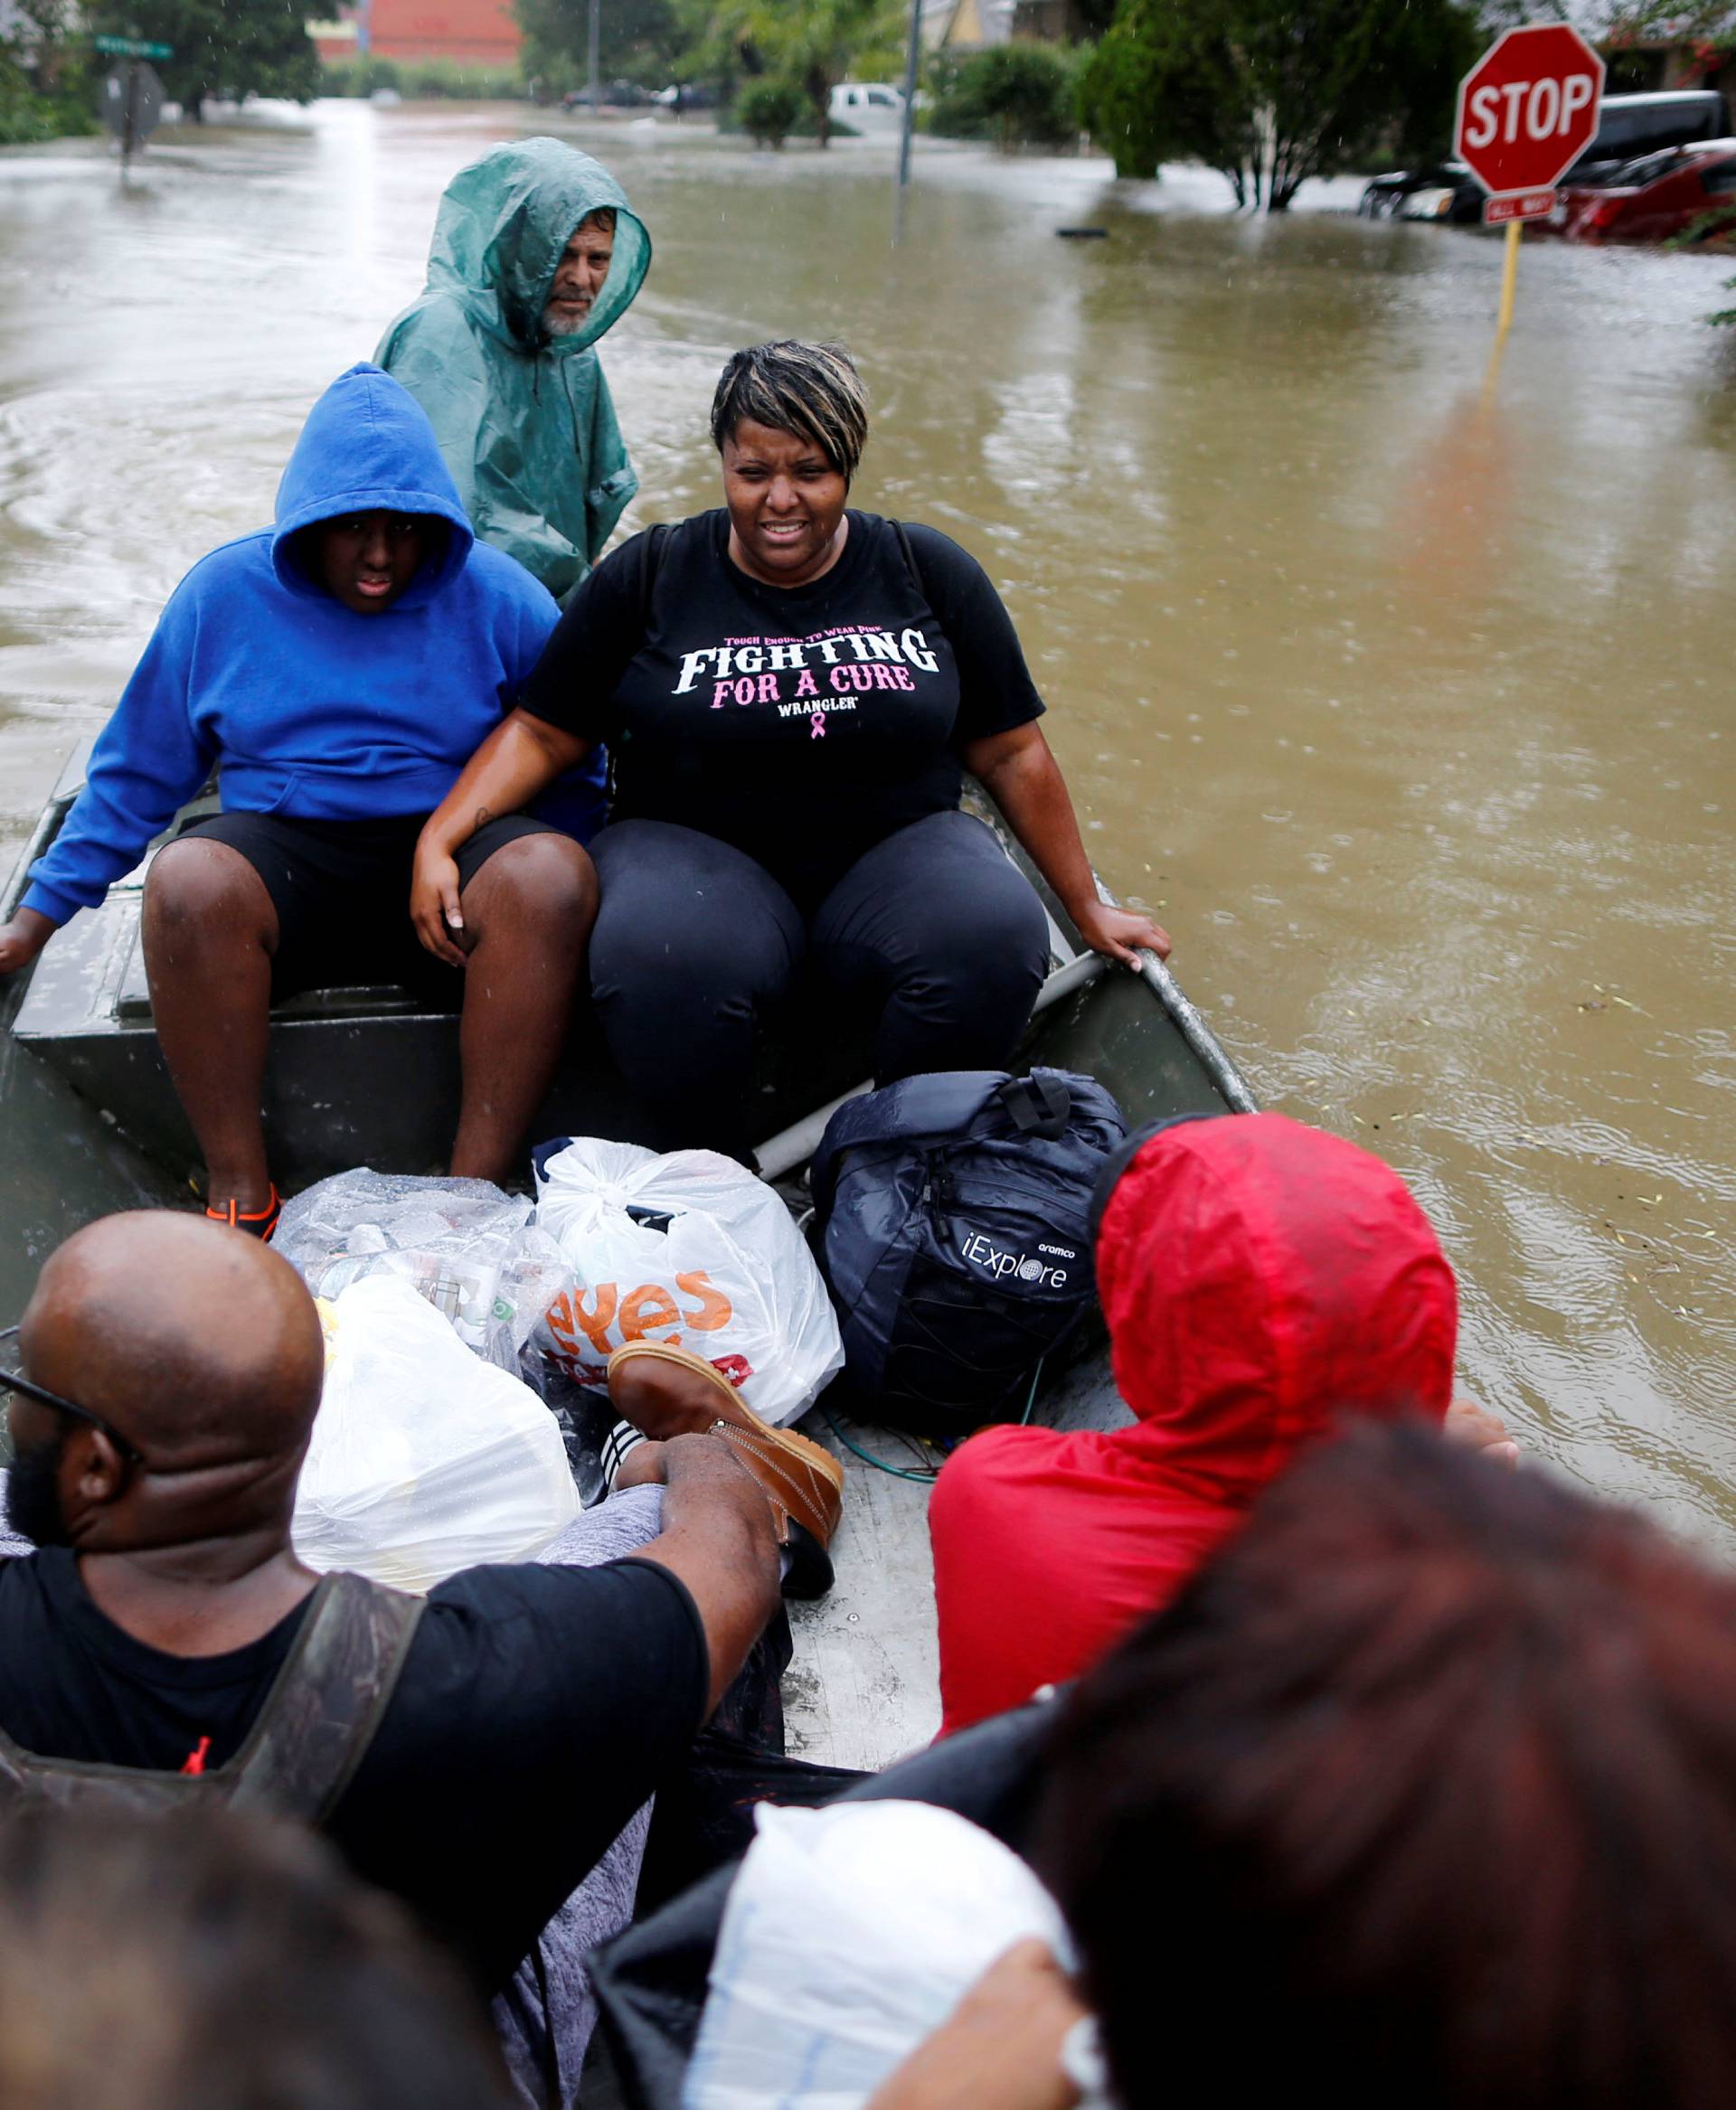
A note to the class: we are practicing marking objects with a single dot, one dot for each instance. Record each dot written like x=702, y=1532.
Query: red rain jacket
x=1260, y=1279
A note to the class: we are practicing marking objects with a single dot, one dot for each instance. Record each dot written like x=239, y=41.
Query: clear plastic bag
x=691, y=1250
x=850, y=1935
x=425, y=1458
x=466, y=1247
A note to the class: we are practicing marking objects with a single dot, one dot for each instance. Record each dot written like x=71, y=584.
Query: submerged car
x=1390, y=196
x=1652, y=199
x=1627, y=125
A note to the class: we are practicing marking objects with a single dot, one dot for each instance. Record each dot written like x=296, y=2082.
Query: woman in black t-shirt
x=791, y=693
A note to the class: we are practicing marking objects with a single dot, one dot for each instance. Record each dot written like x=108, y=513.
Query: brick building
x=474, y=33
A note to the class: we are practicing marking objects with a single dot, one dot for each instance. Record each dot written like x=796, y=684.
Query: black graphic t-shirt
x=537, y=1708
x=803, y=724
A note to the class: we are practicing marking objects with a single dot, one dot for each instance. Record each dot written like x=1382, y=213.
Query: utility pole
x=595, y=40
x=912, y=59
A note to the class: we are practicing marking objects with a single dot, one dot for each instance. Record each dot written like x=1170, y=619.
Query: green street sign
x=132, y=48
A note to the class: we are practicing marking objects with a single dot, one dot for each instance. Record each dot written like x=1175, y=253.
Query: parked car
x=1628, y=126
x=1653, y=198
x=682, y=96
x=1385, y=196
x=1430, y=201
x=615, y=95
x=871, y=107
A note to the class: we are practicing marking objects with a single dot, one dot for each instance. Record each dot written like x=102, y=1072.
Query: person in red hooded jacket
x=1261, y=1281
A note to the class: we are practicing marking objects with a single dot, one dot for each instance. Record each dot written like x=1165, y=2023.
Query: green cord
x=927, y=1478
x=1031, y=1396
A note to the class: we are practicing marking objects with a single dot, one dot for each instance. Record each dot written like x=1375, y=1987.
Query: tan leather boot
x=665, y=1391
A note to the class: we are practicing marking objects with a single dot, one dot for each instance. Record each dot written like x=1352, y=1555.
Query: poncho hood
x=367, y=444
x=1262, y=1281
x=502, y=227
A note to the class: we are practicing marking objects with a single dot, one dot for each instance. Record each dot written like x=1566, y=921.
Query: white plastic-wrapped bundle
x=466, y=1247
x=425, y=1458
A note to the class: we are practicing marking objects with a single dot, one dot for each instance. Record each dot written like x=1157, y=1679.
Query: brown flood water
x=1408, y=708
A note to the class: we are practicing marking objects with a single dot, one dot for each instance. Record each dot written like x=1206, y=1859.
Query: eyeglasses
x=13, y=1382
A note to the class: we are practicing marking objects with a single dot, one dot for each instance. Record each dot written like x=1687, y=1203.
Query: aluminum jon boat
x=369, y=1077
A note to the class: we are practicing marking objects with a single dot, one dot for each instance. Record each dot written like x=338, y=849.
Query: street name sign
x=1528, y=110
x=132, y=48
x=1518, y=205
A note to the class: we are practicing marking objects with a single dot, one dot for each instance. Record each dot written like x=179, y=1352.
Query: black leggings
x=695, y=942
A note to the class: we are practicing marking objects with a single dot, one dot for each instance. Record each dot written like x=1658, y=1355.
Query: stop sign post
x=1527, y=110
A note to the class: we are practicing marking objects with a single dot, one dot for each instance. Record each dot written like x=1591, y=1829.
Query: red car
x=1651, y=199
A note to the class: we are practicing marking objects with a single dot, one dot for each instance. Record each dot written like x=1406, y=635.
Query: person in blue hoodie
x=337, y=671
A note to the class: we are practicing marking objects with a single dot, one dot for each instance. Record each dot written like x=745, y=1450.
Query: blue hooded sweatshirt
x=308, y=709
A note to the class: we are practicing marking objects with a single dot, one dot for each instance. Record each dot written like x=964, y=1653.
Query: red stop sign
x=1528, y=108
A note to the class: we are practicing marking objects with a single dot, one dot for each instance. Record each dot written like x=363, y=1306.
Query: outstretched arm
x=718, y=1537
x=1000, y=2047
x=24, y=938
x=148, y=759
x=1019, y=772
x=523, y=755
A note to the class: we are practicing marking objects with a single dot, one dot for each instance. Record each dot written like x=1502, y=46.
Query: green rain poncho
x=523, y=419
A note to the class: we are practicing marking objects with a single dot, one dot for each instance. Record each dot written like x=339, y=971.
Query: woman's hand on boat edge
x=434, y=907
x=1000, y=2047
x=1470, y=1423
x=1116, y=933
x=24, y=938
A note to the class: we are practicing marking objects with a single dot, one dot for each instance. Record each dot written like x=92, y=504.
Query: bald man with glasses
x=476, y=1753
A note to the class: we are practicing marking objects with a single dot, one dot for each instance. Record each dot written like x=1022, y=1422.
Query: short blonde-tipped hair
x=813, y=390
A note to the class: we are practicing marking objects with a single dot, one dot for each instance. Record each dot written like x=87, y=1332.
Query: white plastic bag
x=710, y=1261
x=850, y=1935
x=425, y=1458
x=468, y=1247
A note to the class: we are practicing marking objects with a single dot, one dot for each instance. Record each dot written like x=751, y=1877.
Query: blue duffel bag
x=953, y=1219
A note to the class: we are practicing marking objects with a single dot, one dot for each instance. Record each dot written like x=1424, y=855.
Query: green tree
x=1017, y=93
x=47, y=89
x=1270, y=93
x=812, y=44
x=222, y=47
x=769, y=111
x=636, y=40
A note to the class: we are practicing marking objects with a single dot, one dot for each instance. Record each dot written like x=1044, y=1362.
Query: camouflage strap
x=311, y=1734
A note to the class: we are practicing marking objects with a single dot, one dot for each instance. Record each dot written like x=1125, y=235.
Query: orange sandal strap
x=261, y=1222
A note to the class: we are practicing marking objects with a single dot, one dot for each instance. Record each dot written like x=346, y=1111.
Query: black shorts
x=341, y=890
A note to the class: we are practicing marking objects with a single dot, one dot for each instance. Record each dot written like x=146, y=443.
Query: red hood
x=1260, y=1280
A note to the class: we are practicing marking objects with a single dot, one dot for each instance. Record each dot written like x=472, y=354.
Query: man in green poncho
x=536, y=252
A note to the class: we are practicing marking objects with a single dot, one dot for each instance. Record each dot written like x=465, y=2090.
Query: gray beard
x=559, y=326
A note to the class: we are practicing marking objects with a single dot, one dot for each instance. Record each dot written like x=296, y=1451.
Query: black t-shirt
x=538, y=1709
x=803, y=724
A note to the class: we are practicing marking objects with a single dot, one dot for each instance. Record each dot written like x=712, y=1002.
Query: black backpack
x=953, y=1220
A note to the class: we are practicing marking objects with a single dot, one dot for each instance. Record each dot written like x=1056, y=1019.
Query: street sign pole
x=1527, y=110
x=1509, y=278
x=132, y=102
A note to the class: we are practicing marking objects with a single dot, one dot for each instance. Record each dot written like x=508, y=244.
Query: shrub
x=768, y=110
x=1122, y=94
x=1017, y=94
x=359, y=76
x=50, y=104
x=439, y=77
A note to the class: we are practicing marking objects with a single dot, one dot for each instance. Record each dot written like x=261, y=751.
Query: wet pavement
x=1405, y=701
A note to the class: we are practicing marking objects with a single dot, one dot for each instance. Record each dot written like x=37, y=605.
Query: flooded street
x=1406, y=706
